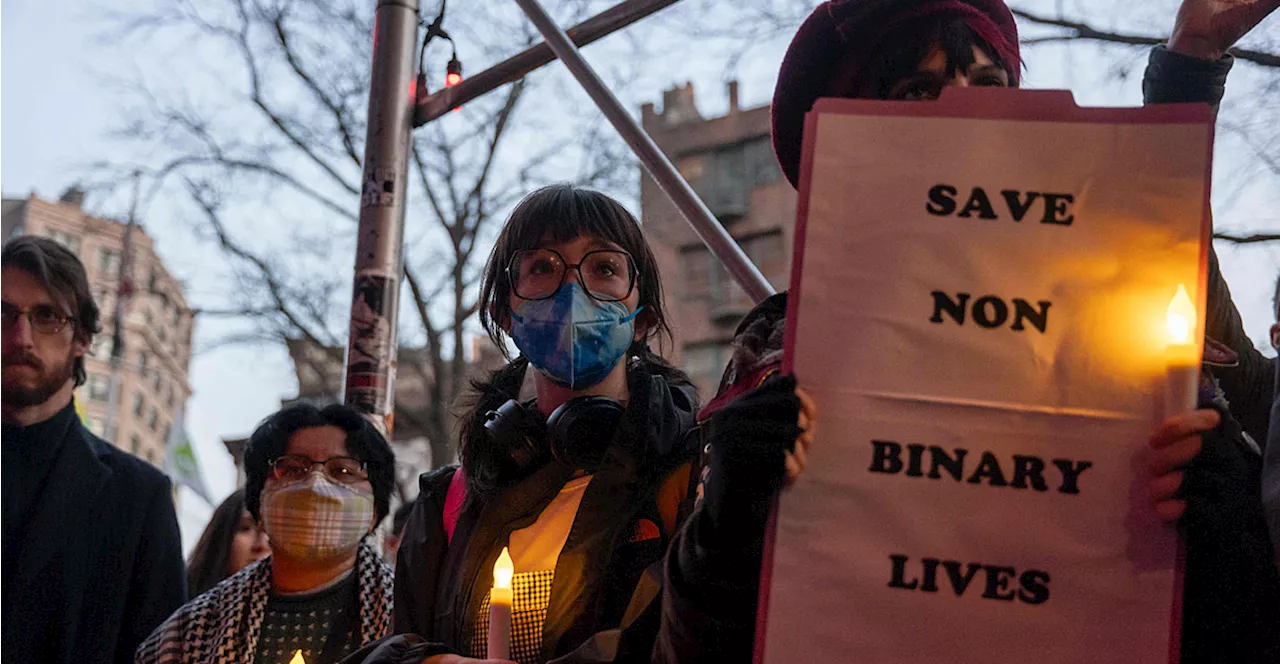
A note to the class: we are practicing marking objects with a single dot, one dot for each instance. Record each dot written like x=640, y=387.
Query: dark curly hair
x=364, y=442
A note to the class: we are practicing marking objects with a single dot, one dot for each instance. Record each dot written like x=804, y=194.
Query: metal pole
x=124, y=291
x=601, y=25
x=371, y=346
x=659, y=168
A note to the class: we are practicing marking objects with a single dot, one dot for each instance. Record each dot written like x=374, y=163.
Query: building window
x=65, y=239
x=718, y=279
x=151, y=281
x=142, y=363
x=696, y=278
x=139, y=404
x=172, y=398
x=106, y=302
x=101, y=347
x=99, y=387
x=156, y=381
x=168, y=431
x=108, y=261
x=705, y=364
x=762, y=164
x=767, y=252
x=134, y=443
x=153, y=420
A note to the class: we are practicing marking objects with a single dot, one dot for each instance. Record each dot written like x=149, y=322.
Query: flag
x=181, y=462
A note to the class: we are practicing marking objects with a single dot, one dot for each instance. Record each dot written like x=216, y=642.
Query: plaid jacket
x=222, y=625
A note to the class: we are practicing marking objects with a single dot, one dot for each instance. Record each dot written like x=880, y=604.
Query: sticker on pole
x=370, y=367
x=379, y=188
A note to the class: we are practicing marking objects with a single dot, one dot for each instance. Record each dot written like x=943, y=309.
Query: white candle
x=500, y=599
x=1182, y=356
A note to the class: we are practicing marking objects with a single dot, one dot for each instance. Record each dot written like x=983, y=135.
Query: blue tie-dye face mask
x=571, y=338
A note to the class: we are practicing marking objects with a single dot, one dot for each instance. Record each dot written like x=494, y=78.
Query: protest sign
x=980, y=291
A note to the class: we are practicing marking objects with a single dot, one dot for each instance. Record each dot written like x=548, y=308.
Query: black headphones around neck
x=576, y=435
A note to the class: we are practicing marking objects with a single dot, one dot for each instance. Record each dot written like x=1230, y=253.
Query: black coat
x=97, y=562
x=604, y=578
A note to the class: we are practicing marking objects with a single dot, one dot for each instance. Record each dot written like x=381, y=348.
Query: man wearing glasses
x=92, y=559
x=319, y=481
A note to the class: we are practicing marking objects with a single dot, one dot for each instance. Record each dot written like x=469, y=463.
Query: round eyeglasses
x=607, y=275
x=295, y=467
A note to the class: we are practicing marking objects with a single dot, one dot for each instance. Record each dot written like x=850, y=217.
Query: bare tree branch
x=1079, y=30
x=259, y=100
x=272, y=282
x=1247, y=239
x=338, y=110
x=287, y=132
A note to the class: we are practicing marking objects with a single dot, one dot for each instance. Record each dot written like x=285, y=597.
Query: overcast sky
x=58, y=105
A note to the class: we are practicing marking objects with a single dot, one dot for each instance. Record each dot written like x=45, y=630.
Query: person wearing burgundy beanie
x=1201, y=473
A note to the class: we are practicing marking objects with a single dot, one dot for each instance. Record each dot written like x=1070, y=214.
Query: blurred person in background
x=229, y=543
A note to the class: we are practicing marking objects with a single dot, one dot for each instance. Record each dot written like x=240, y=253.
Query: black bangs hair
x=562, y=212
x=913, y=42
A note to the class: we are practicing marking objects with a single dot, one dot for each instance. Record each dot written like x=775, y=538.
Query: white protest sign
x=979, y=303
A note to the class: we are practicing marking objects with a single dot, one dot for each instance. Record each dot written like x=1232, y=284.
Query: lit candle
x=297, y=658
x=500, y=598
x=1182, y=356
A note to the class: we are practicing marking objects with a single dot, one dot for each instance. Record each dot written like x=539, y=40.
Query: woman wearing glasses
x=319, y=481
x=575, y=457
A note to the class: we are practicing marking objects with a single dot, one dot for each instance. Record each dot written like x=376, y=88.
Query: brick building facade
x=729, y=161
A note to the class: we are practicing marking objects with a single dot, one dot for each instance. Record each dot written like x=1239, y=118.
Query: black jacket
x=1231, y=589
x=601, y=571
x=96, y=563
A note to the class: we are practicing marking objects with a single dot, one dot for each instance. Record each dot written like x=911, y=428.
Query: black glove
x=749, y=439
x=399, y=649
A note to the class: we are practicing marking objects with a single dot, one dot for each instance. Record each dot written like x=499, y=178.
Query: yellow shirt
x=534, y=551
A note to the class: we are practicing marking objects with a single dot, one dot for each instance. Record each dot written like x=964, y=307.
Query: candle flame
x=1181, y=318
x=503, y=570
x=297, y=658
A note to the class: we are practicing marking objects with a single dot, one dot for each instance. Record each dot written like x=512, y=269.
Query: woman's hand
x=1205, y=29
x=1172, y=446
x=808, y=419
x=459, y=659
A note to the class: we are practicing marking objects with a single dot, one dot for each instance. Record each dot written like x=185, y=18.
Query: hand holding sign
x=1173, y=446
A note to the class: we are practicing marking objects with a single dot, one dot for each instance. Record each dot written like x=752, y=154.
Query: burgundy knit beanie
x=841, y=36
